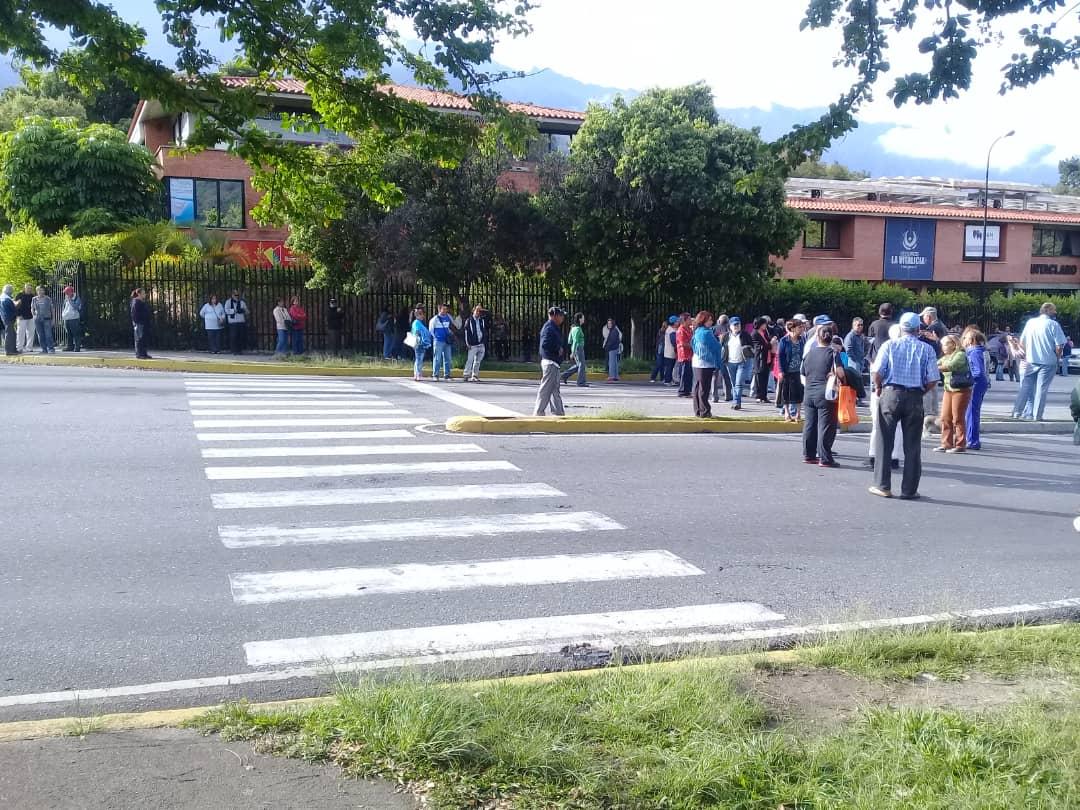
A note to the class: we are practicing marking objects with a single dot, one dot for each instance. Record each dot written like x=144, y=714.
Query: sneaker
x=939, y=449
x=829, y=464
x=809, y=461
x=881, y=493
x=735, y=407
x=955, y=450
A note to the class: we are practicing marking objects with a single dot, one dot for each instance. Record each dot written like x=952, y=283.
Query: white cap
x=801, y=318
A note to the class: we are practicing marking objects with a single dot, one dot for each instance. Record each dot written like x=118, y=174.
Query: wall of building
x=861, y=255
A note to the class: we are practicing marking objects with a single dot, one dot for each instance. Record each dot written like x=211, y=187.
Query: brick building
x=214, y=188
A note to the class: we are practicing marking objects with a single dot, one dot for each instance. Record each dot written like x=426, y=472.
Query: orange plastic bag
x=845, y=411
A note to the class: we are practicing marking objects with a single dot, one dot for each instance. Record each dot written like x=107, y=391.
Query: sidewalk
x=177, y=769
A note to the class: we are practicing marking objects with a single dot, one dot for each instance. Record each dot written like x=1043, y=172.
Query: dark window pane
x=822, y=234
x=232, y=203
x=206, y=203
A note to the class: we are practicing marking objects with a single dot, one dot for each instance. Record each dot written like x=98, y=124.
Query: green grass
x=627, y=366
x=693, y=736
x=613, y=413
x=82, y=726
x=949, y=654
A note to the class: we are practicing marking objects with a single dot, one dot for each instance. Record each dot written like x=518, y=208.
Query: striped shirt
x=907, y=362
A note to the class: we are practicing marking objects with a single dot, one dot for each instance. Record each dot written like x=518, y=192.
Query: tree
x=1038, y=31
x=1069, y=173
x=658, y=194
x=340, y=49
x=17, y=103
x=52, y=171
x=455, y=226
x=815, y=168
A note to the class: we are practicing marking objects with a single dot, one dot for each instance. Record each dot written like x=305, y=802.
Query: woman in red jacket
x=298, y=315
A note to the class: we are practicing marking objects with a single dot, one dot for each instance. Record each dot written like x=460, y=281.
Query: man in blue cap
x=903, y=371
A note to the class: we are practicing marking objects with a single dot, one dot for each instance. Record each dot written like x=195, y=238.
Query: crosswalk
x=383, y=498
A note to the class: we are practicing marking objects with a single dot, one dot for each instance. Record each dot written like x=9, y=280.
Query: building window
x=212, y=203
x=1046, y=242
x=822, y=234
x=546, y=143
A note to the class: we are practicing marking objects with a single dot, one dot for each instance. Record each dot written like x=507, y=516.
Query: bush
x=26, y=250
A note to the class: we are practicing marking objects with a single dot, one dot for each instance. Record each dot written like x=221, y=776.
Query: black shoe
x=895, y=464
x=913, y=497
x=830, y=464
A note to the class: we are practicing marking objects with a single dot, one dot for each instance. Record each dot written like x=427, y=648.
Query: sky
x=752, y=54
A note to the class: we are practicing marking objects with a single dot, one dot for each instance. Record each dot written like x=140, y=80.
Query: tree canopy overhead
x=340, y=49
x=1043, y=35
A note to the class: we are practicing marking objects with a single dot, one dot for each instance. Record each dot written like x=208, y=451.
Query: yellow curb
x=562, y=424
x=86, y=360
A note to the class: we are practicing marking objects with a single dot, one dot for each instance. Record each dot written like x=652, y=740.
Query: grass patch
x=82, y=726
x=949, y=654
x=693, y=736
x=318, y=360
x=613, y=413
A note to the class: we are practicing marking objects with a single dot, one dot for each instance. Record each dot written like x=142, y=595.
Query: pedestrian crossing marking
x=601, y=629
x=371, y=495
x=335, y=421
x=336, y=583
x=380, y=531
x=343, y=450
x=320, y=435
x=345, y=470
x=359, y=409
x=297, y=402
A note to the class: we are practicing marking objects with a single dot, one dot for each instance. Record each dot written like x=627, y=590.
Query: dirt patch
x=824, y=700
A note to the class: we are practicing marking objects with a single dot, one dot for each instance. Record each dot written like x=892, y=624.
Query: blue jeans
x=1033, y=388
x=298, y=341
x=578, y=367
x=440, y=359
x=613, y=364
x=418, y=364
x=44, y=334
x=282, y=346
x=388, y=344
x=738, y=372
x=213, y=340
x=658, y=366
x=999, y=373
x=974, y=413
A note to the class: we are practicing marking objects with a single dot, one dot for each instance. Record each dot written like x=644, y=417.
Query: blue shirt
x=907, y=362
x=706, y=348
x=1040, y=339
x=440, y=328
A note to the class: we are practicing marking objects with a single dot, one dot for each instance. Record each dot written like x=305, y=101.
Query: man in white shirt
x=1042, y=340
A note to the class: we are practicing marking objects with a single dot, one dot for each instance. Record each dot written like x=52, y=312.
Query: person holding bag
x=419, y=340
x=956, y=372
x=824, y=374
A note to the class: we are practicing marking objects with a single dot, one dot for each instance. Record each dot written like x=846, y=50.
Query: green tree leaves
x=53, y=171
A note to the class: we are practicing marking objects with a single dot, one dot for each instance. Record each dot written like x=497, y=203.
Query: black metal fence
x=177, y=291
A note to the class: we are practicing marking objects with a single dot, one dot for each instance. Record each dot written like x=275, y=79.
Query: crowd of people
x=30, y=316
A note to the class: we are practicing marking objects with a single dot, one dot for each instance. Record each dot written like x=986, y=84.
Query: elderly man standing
x=855, y=346
x=1042, y=340
x=904, y=370
x=551, y=347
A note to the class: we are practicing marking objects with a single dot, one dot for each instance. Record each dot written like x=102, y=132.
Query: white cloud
x=752, y=54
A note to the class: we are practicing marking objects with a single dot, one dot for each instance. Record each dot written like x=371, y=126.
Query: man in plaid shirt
x=904, y=370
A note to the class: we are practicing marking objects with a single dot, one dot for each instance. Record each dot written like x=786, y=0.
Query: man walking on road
x=576, y=342
x=477, y=329
x=1042, y=340
x=551, y=349
x=905, y=370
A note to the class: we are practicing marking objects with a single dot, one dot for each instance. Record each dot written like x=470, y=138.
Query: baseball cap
x=735, y=319
x=673, y=319
x=821, y=320
x=909, y=322
x=800, y=318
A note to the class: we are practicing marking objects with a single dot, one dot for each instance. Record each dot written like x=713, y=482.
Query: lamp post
x=986, y=216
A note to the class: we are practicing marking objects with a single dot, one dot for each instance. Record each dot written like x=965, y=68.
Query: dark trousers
x=237, y=337
x=897, y=406
x=658, y=367
x=9, y=337
x=333, y=341
x=819, y=430
x=722, y=384
x=73, y=328
x=760, y=384
x=703, y=378
x=686, y=381
x=669, y=369
x=213, y=340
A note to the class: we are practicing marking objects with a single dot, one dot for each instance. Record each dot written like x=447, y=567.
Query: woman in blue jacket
x=705, y=361
x=974, y=343
x=422, y=335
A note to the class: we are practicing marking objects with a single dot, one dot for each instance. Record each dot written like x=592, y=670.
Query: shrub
x=26, y=250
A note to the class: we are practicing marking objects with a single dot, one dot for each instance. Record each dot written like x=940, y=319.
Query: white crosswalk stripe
x=594, y=628
x=250, y=473
x=384, y=531
x=444, y=449
x=281, y=586
x=296, y=421
x=288, y=498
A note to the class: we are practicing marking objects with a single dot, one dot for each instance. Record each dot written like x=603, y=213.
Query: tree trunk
x=637, y=332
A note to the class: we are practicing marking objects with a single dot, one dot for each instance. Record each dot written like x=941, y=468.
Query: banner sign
x=973, y=241
x=909, y=249
x=182, y=200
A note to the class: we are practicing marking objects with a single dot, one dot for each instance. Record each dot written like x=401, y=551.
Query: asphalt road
x=146, y=543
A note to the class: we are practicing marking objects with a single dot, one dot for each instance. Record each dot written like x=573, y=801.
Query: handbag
x=832, y=389
x=962, y=379
x=411, y=340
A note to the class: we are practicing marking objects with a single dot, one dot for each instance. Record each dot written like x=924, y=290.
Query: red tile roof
x=431, y=98
x=893, y=209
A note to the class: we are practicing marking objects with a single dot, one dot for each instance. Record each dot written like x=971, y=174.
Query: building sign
x=909, y=249
x=182, y=200
x=1053, y=270
x=973, y=241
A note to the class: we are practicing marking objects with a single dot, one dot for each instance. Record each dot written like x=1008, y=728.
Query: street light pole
x=986, y=216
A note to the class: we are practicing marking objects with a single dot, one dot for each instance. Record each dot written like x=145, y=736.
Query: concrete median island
x=643, y=424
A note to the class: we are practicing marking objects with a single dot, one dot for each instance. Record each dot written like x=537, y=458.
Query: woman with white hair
x=875, y=417
x=10, y=317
